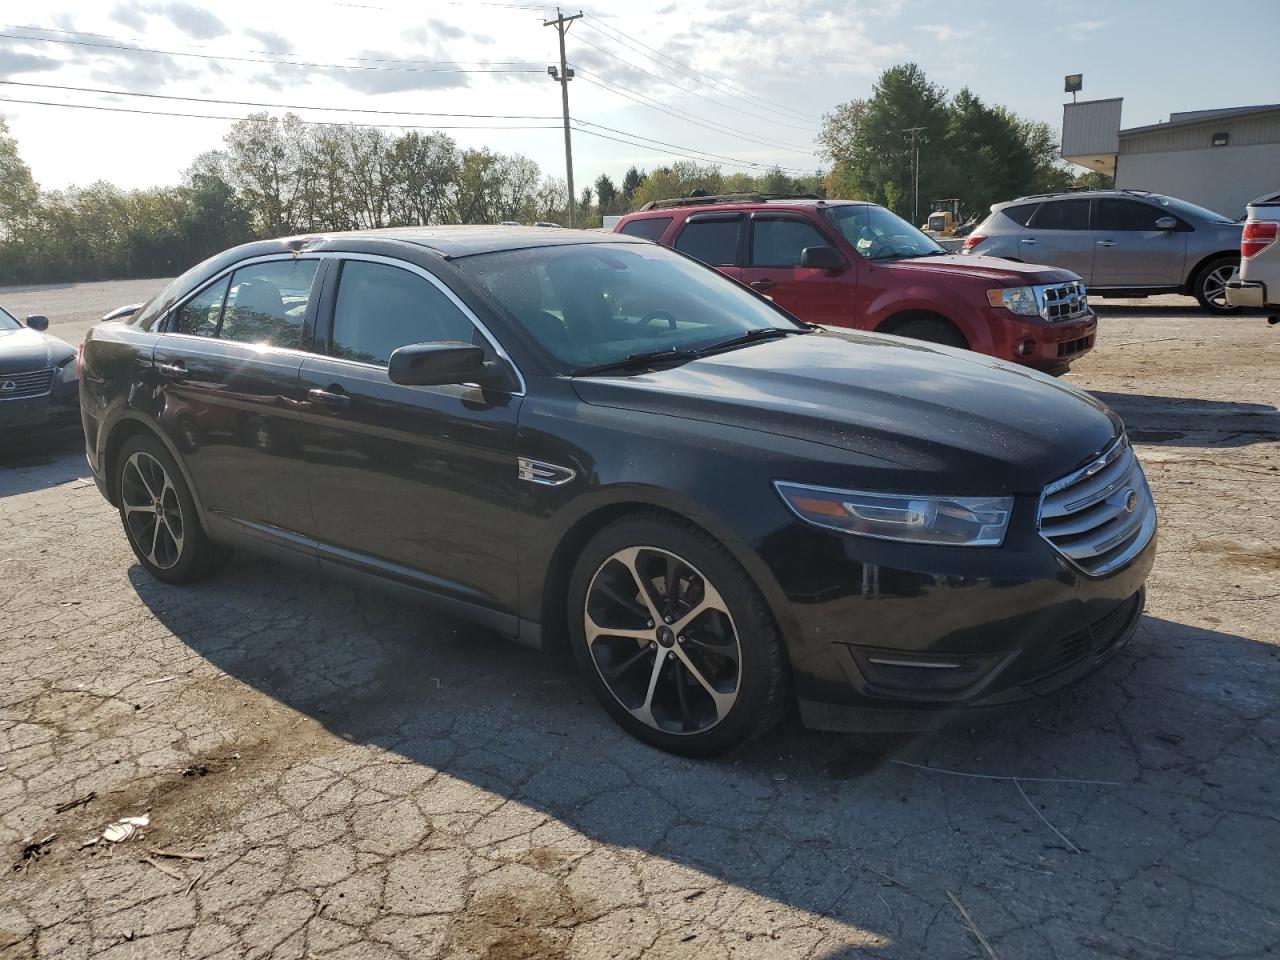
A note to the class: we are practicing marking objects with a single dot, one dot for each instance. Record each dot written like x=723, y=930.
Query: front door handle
x=333, y=397
x=174, y=371
x=762, y=284
x=1028, y=240
x=1106, y=243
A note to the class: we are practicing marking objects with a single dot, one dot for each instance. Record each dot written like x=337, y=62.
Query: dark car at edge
x=589, y=442
x=38, y=387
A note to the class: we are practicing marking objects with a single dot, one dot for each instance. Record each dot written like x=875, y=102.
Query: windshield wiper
x=751, y=336
x=633, y=361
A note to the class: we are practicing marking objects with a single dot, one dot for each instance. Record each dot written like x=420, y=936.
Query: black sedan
x=38, y=382
x=590, y=442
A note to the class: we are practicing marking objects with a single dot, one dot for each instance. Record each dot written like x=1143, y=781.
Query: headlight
x=949, y=521
x=1019, y=300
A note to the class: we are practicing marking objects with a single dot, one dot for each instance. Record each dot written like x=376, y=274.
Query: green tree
x=606, y=196
x=631, y=182
x=680, y=179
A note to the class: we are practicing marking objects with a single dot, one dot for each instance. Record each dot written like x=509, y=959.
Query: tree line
x=278, y=176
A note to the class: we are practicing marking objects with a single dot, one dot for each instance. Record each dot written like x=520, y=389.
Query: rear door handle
x=1028, y=240
x=1106, y=243
x=174, y=371
x=333, y=397
x=762, y=284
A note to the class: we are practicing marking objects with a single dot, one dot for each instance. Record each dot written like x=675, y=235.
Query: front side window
x=199, y=316
x=650, y=228
x=1110, y=213
x=267, y=303
x=596, y=303
x=1062, y=215
x=711, y=241
x=381, y=308
x=779, y=242
x=880, y=234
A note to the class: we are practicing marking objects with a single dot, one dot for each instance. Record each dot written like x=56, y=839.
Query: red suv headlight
x=1257, y=236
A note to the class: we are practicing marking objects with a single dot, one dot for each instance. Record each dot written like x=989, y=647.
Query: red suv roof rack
x=727, y=198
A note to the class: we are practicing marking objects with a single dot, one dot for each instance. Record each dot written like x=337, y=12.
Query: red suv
x=854, y=264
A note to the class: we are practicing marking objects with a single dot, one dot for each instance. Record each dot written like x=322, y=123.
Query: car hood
x=1004, y=273
x=24, y=350
x=920, y=417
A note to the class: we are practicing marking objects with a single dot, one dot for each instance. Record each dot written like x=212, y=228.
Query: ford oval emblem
x=8, y=386
x=1130, y=500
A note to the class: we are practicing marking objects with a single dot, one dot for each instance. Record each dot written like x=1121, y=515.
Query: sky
x=744, y=85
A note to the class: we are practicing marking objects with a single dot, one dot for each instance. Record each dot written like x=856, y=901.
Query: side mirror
x=38, y=322
x=445, y=362
x=821, y=258
x=1167, y=223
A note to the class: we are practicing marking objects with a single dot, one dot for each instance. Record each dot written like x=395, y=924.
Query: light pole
x=563, y=76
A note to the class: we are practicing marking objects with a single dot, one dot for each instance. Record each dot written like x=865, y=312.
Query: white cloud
x=1089, y=26
x=945, y=33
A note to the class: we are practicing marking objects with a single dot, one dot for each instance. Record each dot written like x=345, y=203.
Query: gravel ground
x=353, y=776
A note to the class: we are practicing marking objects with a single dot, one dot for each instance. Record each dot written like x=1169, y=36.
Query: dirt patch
x=1263, y=558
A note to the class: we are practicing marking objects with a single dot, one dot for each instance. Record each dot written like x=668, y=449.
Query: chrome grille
x=34, y=383
x=1064, y=301
x=1101, y=516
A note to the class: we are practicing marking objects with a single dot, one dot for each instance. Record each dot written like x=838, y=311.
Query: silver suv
x=1123, y=243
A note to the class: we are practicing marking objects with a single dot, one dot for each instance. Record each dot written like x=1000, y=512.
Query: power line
x=270, y=53
x=694, y=93
x=640, y=98
x=704, y=79
x=632, y=143
x=278, y=106
x=277, y=63
x=310, y=123
x=703, y=154
x=658, y=55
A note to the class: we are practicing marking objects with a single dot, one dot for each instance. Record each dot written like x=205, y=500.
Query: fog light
x=1026, y=347
x=921, y=673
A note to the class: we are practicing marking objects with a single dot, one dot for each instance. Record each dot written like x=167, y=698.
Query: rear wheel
x=160, y=517
x=932, y=331
x=1210, y=287
x=674, y=637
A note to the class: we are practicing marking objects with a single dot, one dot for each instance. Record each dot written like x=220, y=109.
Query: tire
x=175, y=548
x=1210, y=286
x=932, y=331
x=718, y=681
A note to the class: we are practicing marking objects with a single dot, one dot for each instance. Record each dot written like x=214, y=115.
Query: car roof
x=1078, y=195
x=692, y=205
x=468, y=240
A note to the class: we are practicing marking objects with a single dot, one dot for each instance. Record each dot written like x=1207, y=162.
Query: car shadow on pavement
x=1193, y=422
x=1117, y=810
x=30, y=462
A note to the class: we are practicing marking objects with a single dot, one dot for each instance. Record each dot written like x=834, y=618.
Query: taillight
x=1257, y=236
x=972, y=240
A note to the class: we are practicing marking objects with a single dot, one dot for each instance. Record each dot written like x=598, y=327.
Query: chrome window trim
x=453, y=298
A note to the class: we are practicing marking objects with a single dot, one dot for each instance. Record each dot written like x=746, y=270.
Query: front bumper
x=886, y=636
x=59, y=407
x=1048, y=345
x=1246, y=293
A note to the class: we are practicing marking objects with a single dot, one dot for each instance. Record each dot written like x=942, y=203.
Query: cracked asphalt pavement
x=335, y=773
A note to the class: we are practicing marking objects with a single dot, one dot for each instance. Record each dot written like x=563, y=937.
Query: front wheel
x=1210, y=286
x=932, y=331
x=674, y=638
x=159, y=515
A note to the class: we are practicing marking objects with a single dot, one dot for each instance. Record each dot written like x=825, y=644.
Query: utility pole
x=563, y=76
x=915, y=145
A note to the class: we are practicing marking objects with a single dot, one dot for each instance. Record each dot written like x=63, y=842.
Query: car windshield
x=7, y=322
x=1189, y=209
x=878, y=234
x=594, y=304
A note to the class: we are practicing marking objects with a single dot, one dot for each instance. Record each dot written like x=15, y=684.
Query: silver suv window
x=1062, y=215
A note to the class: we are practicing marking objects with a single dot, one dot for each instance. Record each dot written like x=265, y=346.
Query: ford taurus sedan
x=588, y=441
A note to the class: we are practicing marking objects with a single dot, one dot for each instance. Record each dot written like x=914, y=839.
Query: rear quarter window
x=647, y=228
x=1020, y=213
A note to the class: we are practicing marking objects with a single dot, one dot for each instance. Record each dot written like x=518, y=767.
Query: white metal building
x=1220, y=159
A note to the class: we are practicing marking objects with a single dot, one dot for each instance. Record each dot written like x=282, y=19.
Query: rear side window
x=649, y=228
x=382, y=308
x=1111, y=213
x=779, y=243
x=1062, y=215
x=1020, y=213
x=711, y=241
x=267, y=303
x=199, y=316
